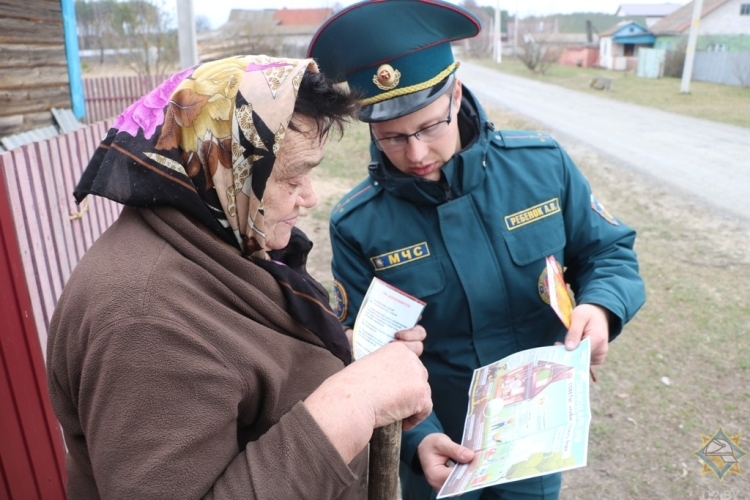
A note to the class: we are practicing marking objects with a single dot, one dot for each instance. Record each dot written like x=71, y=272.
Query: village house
x=273, y=32
x=722, y=52
x=652, y=13
x=724, y=27
x=618, y=46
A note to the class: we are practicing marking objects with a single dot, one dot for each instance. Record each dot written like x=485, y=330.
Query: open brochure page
x=385, y=310
x=528, y=416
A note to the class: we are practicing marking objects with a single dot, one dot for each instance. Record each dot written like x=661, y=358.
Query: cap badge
x=386, y=77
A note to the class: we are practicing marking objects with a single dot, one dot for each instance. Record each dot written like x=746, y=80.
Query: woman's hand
x=387, y=386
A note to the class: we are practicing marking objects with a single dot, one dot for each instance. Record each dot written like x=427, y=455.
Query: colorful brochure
x=559, y=298
x=528, y=416
x=528, y=413
x=385, y=310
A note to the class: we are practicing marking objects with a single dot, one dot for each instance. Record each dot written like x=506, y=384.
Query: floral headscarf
x=212, y=130
x=205, y=142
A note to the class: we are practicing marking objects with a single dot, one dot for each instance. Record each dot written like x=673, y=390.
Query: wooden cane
x=385, y=451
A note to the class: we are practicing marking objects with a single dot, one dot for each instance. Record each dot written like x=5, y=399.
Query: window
x=745, y=9
x=717, y=47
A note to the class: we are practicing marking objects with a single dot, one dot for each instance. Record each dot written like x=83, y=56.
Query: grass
x=694, y=329
x=721, y=103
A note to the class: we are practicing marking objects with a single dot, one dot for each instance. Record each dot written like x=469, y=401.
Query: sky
x=217, y=11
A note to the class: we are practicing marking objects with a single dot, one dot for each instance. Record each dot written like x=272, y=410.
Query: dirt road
x=705, y=161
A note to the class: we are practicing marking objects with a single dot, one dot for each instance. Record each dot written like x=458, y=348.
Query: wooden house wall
x=33, y=65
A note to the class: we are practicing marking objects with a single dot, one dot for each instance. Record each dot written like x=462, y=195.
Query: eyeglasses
x=428, y=134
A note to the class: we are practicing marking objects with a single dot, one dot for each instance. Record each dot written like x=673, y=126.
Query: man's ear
x=457, y=91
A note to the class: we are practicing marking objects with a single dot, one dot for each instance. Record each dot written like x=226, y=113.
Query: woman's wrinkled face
x=289, y=187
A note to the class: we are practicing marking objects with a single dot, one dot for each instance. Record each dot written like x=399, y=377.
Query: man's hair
x=328, y=106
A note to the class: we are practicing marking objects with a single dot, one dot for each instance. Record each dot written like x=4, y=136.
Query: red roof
x=291, y=17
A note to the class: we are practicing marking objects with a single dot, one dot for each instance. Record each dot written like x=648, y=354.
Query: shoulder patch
x=603, y=212
x=523, y=139
x=340, y=301
x=363, y=192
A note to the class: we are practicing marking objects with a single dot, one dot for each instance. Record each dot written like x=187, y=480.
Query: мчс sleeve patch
x=603, y=212
x=340, y=301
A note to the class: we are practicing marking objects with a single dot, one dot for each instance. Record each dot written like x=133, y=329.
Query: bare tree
x=95, y=24
x=143, y=30
x=479, y=46
x=139, y=32
x=537, y=53
x=674, y=60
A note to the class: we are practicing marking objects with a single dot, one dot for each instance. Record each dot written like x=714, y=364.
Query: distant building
x=724, y=27
x=722, y=51
x=275, y=32
x=618, y=46
x=651, y=12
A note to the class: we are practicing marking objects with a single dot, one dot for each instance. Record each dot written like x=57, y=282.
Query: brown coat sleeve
x=159, y=408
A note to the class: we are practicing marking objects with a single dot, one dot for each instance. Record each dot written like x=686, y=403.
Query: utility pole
x=515, y=32
x=186, y=33
x=498, y=35
x=687, y=69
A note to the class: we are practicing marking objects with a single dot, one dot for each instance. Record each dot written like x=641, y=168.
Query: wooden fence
x=40, y=179
x=108, y=96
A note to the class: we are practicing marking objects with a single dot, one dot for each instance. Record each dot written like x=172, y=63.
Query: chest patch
x=532, y=214
x=400, y=256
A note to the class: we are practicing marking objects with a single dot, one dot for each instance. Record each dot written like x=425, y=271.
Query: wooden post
x=385, y=451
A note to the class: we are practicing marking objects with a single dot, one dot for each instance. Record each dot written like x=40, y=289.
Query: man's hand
x=589, y=321
x=413, y=338
x=434, y=452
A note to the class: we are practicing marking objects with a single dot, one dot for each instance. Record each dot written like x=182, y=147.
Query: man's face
x=423, y=158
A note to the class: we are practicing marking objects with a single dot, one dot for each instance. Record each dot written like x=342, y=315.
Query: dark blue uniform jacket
x=473, y=247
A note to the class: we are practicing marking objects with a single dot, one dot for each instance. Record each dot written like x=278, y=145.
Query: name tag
x=401, y=256
x=532, y=214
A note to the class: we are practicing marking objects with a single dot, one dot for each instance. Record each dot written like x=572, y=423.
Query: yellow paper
x=559, y=298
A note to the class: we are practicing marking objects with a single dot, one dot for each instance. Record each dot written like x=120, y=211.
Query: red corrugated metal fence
x=107, y=96
x=40, y=178
x=42, y=237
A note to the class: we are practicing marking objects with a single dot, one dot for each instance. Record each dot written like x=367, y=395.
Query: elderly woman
x=191, y=355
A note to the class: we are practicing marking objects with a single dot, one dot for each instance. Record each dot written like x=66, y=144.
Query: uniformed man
x=463, y=216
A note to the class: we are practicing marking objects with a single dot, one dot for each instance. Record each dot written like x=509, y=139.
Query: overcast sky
x=217, y=11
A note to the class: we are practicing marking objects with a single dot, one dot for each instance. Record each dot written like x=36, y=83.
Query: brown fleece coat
x=176, y=373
